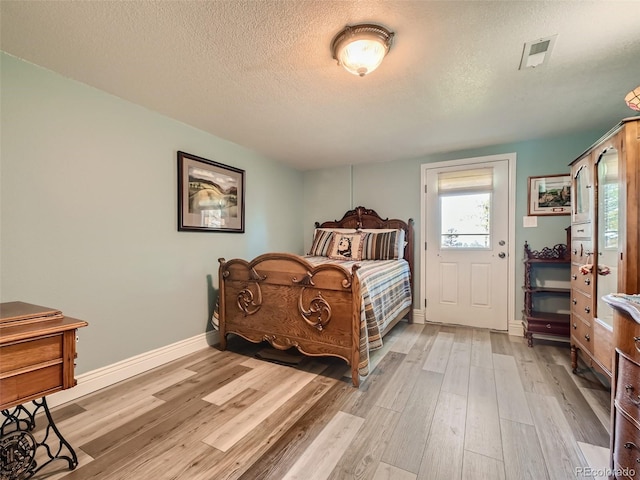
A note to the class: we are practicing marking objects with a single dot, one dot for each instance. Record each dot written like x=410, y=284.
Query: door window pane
x=465, y=220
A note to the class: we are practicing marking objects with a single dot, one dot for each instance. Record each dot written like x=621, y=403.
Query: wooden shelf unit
x=540, y=322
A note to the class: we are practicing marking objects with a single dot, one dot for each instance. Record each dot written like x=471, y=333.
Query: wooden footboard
x=283, y=299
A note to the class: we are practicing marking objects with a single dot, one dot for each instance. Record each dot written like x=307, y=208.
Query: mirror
x=608, y=234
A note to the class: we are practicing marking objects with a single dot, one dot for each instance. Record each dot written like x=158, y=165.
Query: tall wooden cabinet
x=604, y=238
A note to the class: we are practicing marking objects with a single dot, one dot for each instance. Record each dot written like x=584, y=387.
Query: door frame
x=513, y=327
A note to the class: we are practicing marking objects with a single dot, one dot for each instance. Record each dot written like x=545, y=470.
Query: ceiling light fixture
x=361, y=48
x=633, y=99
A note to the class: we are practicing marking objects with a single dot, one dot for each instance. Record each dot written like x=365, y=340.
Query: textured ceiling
x=260, y=73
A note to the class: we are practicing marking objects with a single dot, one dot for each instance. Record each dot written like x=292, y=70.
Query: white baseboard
x=418, y=315
x=106, y=376
x=515, y=328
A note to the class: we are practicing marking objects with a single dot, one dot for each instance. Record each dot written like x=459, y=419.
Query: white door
x=467, y=244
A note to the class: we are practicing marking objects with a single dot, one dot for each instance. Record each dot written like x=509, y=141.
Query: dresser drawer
x=581, y=230
x=581, y=305
x=628, y=387
x=548, y=327
x=29, y=385
x=626, y=448
x=581, y=281
x=582, y=251
x=581, y=333
x=29, y=353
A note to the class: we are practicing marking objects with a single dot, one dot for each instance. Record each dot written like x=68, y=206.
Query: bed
x=340, y=299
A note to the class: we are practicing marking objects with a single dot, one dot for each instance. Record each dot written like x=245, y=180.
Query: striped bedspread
x=386, y=291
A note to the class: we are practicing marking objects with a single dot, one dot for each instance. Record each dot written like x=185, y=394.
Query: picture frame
x=210, y=195
x=549, y=195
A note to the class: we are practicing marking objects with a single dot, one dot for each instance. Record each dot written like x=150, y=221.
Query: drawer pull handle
x=637, y=342
x=574, y=277
x=575, y=327
x=629, y=388
x=587, y=281
x=574, y=301
x=587, y=337
x=575, y=251
x=587, y=309
x=630, y=445
x=548, y=325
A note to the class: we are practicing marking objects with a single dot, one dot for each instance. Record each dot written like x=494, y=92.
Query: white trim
x=111, y=374
x=418, y=316
x=511, y=159
x=515, y=328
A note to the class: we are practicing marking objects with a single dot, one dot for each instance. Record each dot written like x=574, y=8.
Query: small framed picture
x=550, y=195
x=210, y=195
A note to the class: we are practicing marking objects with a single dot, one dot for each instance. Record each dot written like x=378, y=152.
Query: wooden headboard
x=362, y=217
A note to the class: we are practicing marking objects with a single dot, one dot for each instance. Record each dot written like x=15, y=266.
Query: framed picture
x=550, y=195
x=210, y=195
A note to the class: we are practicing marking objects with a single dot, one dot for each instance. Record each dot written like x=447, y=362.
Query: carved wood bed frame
x=284, y=300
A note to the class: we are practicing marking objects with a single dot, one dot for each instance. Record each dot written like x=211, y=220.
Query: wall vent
x=537, y=52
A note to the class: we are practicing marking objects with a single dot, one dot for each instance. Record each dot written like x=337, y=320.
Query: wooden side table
x=37, y=358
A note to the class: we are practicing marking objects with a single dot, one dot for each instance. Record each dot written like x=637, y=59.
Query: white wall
x=88, y=214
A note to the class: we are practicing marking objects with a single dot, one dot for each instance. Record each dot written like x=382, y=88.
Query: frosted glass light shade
x=633, y=99
x=361, y=48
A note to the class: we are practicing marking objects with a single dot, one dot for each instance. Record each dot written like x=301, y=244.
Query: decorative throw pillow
x=399, y=243
x=322, y=240
x=383, y=245
x=346, y=246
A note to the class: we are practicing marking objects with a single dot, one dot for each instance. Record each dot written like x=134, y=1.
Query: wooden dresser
x=604, y=240
x=625, y=433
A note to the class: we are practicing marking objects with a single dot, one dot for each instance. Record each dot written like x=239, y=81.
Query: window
x=465, y=208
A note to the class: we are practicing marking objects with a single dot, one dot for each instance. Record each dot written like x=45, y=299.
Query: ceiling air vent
x=537, y=52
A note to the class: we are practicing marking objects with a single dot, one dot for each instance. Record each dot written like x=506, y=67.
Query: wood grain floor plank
x=397, y=391
x=375, y=385
x=483, y=421
x=557, y=442
x=481, y=354
x=284, y=452
x=123, y=456
x=532, y=377
x=584, y=423
x=597, y=458
x=228, y=434
x=324, y=452
x=443, y=453
x=258, y=378
x=135, y=389
x=389, y=472
x=600, y=403
x=406, y=446
x=407, y=340
x=439, y=355
x=456, y=375
x=238, y=459
x=500, y=343
x=479, y=467
x=362, y=456
x=512, y=403
x=523, y=459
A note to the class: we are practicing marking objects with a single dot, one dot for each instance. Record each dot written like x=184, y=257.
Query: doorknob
x=501, y=243
x=502, y=254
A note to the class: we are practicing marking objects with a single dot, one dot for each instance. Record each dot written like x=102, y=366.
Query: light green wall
x=88, y=206
x=393, y=190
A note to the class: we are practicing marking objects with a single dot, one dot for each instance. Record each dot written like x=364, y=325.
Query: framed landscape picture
x=550, y=195
x=210, y=195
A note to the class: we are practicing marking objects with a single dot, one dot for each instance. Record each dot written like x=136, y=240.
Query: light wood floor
x=442, y=403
